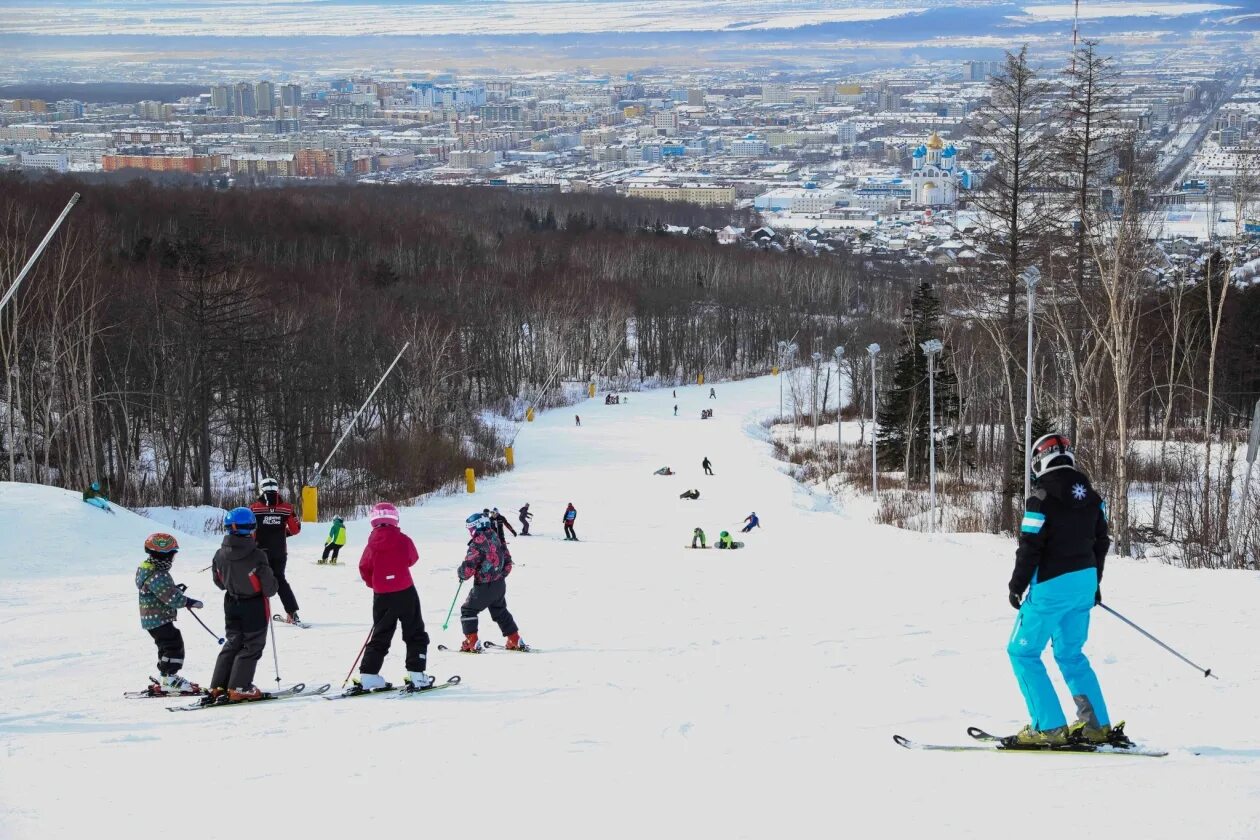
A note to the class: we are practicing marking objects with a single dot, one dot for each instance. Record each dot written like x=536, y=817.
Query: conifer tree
x=904, y=417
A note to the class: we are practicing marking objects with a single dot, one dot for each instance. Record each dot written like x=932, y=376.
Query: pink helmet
x=384, y=514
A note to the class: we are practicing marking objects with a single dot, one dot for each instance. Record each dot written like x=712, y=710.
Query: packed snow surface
x=676, y=693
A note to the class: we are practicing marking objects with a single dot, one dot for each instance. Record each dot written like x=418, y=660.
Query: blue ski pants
x=1057, y=611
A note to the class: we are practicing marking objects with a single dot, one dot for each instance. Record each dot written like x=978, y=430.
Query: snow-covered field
x=677, y=694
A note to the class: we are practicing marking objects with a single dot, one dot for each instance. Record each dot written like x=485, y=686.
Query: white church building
x=935, y=177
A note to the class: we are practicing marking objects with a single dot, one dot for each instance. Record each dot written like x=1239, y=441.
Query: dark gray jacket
x=241, y=569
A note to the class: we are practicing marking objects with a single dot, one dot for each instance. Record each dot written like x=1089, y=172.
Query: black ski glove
x=194, y=604
x=1097, y=596
x=1015, y=599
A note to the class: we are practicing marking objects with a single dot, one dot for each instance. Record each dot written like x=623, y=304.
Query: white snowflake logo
x=1078, y=492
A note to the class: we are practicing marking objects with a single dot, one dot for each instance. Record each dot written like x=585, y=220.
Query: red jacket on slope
x=387, y=560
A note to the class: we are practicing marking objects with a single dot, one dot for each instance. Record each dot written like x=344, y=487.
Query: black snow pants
x=388, y=610
x=287, y=598
x=568, y=531
x=492, y=596
x=524, y=527
x=170, y=645
x=331, y=548
x=245, y=625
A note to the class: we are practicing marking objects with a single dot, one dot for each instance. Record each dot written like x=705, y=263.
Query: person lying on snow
x=664, y=471
x=690, y=494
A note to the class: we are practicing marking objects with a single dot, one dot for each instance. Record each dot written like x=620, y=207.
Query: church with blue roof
x=935, y=176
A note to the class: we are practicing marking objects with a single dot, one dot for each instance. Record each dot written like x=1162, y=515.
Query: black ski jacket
x=1064, y=530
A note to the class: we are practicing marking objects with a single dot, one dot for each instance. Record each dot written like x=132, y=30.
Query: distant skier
x=1063, y=543
x=94, y=497
x=525, y=516
x=243, y=571
x=690, y=494
x=751, y=521
x=708, y=467
x=570, y=517
x=277, y=521
x=697, y=535
x=664, y=471
x=675, y=410
x=336, y=539
x=577, y=421
x=501, y=524
x=160, y=602
x=713, y=393
x=386, y=568
x=487, y=563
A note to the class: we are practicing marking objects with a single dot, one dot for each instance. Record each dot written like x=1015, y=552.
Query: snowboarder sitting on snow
x=570, y=518
x=525, y=516
x=664, y=471
x=488, y=564
x=1063, y=542
x=94, y=497
x=690, y=494
x=336, y=539
x=752, y=522
x=725, y=541
x=386, y=567
x=241, y=569
x=697, y=535
x=160, y=602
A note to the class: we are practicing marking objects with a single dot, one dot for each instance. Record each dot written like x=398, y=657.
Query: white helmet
x=1049, y=453
x=268, y=484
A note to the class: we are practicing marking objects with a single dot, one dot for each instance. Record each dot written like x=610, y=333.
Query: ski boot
x=417, y=681
x=514, y=642
x=1081, y=732
x=175, y=684
x=1035, y=739
x=470, y=644
x=244, y=695
x=321, y=562
x=370, y=682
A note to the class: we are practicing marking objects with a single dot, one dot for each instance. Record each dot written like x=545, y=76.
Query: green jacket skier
x=336, y=539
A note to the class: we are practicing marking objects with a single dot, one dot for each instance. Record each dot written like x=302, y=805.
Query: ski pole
x=203, y=624
x=1207, y=672
x=452, y=609
x=370, y=634
x=275, y=654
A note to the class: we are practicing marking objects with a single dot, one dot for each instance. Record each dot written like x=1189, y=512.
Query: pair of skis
x=484, y=646
x=394, y=691
x=290, y=693
x=993, y=743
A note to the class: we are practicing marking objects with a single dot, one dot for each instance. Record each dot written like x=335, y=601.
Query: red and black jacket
x=276, y=523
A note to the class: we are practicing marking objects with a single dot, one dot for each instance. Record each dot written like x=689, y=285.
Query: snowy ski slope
x=678, y=693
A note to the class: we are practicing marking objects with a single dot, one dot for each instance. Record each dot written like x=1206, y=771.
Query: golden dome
x=935, y=141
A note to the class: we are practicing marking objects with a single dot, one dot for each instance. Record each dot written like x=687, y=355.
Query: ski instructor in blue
x=1063, y=542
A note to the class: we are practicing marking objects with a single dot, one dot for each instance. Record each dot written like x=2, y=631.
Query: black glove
x=1015, y=599
x=182, y=587
x=194, y=604
x=1097, y=596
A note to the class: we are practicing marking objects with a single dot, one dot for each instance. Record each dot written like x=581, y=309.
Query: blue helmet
x=240, y=519
x=477, y=522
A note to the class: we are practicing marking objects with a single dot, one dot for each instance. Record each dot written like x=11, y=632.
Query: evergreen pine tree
x=902, y=439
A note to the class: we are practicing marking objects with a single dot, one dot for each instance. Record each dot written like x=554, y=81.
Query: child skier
x=751, y=522
x=570, y=517
x=160, y=602
x=488, y=563
x=386, y=567
x=242, y=570
x=96, y=498
x=1063, y=542
x=525, y=516
x=725, y=541
x=697, y=535
x=336, y=539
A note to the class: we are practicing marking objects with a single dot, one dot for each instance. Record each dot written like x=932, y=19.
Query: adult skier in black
x=525, y=516
x=501, y=524
x=708, y=467
x=277, y=521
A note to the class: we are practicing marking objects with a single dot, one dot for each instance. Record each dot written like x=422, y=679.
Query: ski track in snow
x=676, y=693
